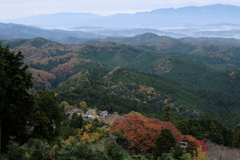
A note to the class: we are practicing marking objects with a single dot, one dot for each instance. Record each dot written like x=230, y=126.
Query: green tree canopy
x=47, y=116
x=83, y=106
x=76, y=121
x=167, y=114
x=16, y=104
x=236, y=137
x=164, y=142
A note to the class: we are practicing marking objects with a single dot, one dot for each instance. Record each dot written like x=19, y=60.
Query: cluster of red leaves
x=203, y=145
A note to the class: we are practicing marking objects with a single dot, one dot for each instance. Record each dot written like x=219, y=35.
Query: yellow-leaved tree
x=83, y=106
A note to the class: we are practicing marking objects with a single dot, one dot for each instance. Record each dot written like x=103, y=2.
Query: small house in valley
x=92, y=113
x=104, y=113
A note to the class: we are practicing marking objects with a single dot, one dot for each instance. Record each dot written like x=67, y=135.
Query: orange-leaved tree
x=192, y=143
x=140, y=131
x=176, y=134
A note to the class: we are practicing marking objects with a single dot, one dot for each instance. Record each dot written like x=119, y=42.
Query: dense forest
x=152, y=87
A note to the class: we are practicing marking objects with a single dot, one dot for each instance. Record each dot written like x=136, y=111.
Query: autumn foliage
x=192, y=143
x=41, y=78
x=141, y=131
x=203, y=145
x=176, y=134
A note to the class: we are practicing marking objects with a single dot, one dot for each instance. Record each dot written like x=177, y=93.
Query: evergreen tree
x=216, y=134
x=236, y=137
x=175, y=153
x=76, y=121
x=167, y=114
x=164, y=142
x=114, y=151
x=47, y=116
x=16, y=104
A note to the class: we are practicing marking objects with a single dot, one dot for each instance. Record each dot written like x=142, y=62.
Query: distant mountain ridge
x=191, y=15
x=151, y=38
x=217, y=20
x=14, y=31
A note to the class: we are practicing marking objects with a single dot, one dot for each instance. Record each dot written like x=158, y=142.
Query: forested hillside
x=119, y=100
x=197, y=78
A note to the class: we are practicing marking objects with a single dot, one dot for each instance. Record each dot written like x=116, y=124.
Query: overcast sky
x=23, y=8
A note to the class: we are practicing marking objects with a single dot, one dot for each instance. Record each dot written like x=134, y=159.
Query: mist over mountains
x=13, y=31
x=169, y=17
x=207, y=21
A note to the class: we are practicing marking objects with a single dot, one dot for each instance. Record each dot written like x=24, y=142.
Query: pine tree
x=167, y=114
x=47, y=116
x=164, y=142
x=16, y=104
x=76, y=121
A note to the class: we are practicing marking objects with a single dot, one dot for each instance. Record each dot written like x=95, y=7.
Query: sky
x=23, y=8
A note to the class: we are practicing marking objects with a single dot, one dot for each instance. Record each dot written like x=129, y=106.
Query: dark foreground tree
x=164, y=142
x=47, y=115
x=76, y=121
x=16, y=104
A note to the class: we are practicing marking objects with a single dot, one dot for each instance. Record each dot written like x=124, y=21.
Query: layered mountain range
x=168, y=17
x=207, y=21
x=142, y=73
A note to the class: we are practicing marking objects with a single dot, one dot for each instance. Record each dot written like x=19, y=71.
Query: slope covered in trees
x=192, y=75
x=123, y=90
x=197, y=64
x=86, y=81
